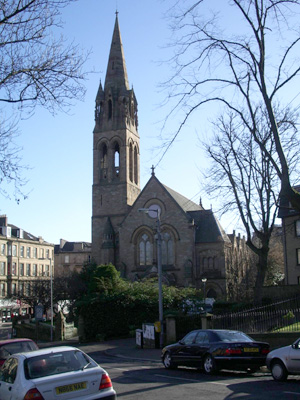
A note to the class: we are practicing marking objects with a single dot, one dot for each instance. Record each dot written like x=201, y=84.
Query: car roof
x=8, y=341
x=41, y=352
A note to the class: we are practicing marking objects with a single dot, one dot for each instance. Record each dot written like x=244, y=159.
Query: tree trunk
x=262, y=266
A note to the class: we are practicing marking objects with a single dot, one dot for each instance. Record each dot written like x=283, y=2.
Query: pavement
x=122, y=348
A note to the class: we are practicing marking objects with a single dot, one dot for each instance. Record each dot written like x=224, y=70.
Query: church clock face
x=154, y=211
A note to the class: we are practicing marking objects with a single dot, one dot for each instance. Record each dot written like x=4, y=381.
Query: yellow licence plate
x=70, y=388
x=251, y=349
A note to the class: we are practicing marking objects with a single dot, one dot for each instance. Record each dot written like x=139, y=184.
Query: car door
x=201, y=347
x=184, y=351
x=293, y=361
x=8, y=376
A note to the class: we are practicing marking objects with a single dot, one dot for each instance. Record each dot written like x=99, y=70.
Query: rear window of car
x=232, y=336
x=56, y=363
x=16, y=347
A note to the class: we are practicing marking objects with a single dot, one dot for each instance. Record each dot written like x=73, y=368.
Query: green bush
x=114, y=307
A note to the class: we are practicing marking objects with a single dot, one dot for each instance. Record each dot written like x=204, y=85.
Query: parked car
x=12, y=346
x=284, y=361
x=56, y=372
x=214, y=349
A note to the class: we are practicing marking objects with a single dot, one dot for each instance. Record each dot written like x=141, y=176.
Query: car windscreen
x=233, y=336
x=16, y=347
x=56, y=363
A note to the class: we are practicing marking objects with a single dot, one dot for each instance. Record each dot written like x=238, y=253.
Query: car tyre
x=209, y=364
x=278, y=371
x=167, y=361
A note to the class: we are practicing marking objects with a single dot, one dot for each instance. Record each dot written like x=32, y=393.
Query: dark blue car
x=215, y=349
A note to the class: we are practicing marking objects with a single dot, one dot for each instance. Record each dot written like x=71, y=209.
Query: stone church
x=125, y=219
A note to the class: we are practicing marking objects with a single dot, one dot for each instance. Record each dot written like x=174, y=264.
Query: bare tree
x=244, y=178
x=66, y=290
x=246, y=63
x=37, y=68
x=35, y=292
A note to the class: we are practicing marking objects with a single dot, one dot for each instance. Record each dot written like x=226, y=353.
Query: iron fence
x=281, y=316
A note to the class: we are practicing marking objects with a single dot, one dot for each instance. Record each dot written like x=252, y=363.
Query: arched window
x=135, y=166
x=131, y=162
x=211, y=293
x=167, y=249
x=103, y=161
x=145, y=250
x=117, y=159
x=109, y=109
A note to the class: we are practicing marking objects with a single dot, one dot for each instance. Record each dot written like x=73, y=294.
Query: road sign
x=38, y=313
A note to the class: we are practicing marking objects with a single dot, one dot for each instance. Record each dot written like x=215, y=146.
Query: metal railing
x=281, y=316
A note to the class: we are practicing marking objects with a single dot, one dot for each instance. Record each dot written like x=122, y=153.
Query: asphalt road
x=134, y=380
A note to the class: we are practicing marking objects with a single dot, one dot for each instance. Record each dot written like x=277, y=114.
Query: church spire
x=116, y=73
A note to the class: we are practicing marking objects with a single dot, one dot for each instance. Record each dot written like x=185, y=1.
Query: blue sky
x=59, y=149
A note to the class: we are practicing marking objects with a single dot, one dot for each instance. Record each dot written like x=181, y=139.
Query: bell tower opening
x=117, y=160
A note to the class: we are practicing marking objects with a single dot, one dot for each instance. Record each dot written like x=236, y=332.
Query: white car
x=284, y=361
x=63, y=372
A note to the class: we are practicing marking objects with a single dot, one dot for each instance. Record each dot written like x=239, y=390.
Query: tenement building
x=70, y=257
x=126, y=220
x=291, y=240
x=24, y=258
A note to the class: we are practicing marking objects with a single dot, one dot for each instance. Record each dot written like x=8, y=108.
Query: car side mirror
x=181, y=342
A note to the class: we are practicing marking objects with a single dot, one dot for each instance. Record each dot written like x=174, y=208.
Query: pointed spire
x=116, y=74
x=100, y=93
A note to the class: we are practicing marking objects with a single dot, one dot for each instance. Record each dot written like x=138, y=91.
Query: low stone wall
x=277, y=292
x=276, y=339
x=70, y=331
x=40, y=332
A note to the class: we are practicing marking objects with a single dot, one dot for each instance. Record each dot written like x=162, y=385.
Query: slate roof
x=69, y=247
x=26, y=235
x=184, y=202
x=208, y=228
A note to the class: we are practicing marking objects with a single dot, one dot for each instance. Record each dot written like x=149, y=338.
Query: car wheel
x=209, y=364
x=278, y=371
x=167, y=361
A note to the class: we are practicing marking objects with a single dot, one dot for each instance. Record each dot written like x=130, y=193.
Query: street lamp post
x=204, y=280
x=51, y=300
x=159, y=272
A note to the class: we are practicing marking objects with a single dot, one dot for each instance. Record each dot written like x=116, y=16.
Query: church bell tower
x=116, y=169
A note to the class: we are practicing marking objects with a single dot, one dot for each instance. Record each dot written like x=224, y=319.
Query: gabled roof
x=208, y=228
